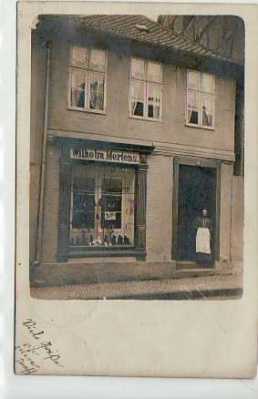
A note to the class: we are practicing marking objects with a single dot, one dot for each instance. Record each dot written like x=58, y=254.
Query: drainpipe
x=43, y=161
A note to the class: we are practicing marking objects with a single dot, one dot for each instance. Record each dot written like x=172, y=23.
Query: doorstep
x=197, y=272
x=186, y=269
x=190, y=265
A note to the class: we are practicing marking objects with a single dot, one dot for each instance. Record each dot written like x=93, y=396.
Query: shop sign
x=105, y=155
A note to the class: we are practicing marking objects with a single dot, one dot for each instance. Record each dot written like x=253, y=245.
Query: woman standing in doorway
x=203, y=240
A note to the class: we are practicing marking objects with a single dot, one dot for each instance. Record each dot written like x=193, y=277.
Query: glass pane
x=207, y=110
x=193, y=80
x=207, y=82
x=154, y=101
x=97, y=84
x=128, y=218
x=137, y=98
x=137, y=90
x=111, y=203
x=77, y=93
x=128, y=181
x=79, y=57
x=154, y=72
x=112, y=186
x=83, y=205
x=137, y=71
x=98, y=60
x=102, y=206
x=192, y=107
x=84, y=184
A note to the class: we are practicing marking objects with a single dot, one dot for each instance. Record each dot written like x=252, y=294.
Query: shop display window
x=102, y=206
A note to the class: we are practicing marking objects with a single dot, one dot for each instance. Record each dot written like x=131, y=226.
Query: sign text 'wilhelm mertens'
x=105, y=155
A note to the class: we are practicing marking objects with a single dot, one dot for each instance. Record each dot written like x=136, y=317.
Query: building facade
x=132, y=136
x=225, y=36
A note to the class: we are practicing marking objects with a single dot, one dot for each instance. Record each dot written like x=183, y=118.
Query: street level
x=222, y=286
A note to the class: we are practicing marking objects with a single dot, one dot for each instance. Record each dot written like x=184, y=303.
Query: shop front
x=102, y=200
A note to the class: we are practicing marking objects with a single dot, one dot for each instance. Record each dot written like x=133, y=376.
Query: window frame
x=99, y=176
x=87, y=71
x=145, y=81
x=199, y=104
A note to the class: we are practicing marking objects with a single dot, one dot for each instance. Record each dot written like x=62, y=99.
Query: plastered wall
x=159, y=209
x=116, y=126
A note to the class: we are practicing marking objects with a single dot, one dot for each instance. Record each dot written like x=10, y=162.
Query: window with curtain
x=146, y=89
x=200, y=99
x=87, y=79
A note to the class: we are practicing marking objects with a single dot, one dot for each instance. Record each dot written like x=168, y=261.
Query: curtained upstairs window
x=87, y=79
x=200, y=99
x=146, y=89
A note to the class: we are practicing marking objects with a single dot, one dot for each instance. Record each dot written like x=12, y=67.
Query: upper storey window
x=87, y=89
x=200, y=99
x=146, y=89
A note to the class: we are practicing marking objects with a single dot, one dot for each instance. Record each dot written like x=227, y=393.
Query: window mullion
x=145, y=113
x=71, y=207
x=199, y=100
x=70, y=87
x=86, y=97
x=145, y=99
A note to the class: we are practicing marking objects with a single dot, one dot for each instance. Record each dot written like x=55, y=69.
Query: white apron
x=203, y=238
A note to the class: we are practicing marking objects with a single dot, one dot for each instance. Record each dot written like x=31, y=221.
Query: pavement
x=225, y=284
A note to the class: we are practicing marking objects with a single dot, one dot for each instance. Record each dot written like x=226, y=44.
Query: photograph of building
x=136, y=157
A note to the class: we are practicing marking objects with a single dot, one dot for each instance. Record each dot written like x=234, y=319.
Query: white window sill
x=89, y=111
x=142, y=118
x=211, y=128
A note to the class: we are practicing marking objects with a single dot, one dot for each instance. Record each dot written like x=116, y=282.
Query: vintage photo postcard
x=135, y=168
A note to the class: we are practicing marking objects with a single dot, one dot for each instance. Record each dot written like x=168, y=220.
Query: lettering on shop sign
x=105, y=156
x=29, y=356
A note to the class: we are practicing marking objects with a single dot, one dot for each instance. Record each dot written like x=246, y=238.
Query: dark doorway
x=196, y=191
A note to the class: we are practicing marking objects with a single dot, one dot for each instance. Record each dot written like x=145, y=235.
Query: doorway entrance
x=196, y=190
